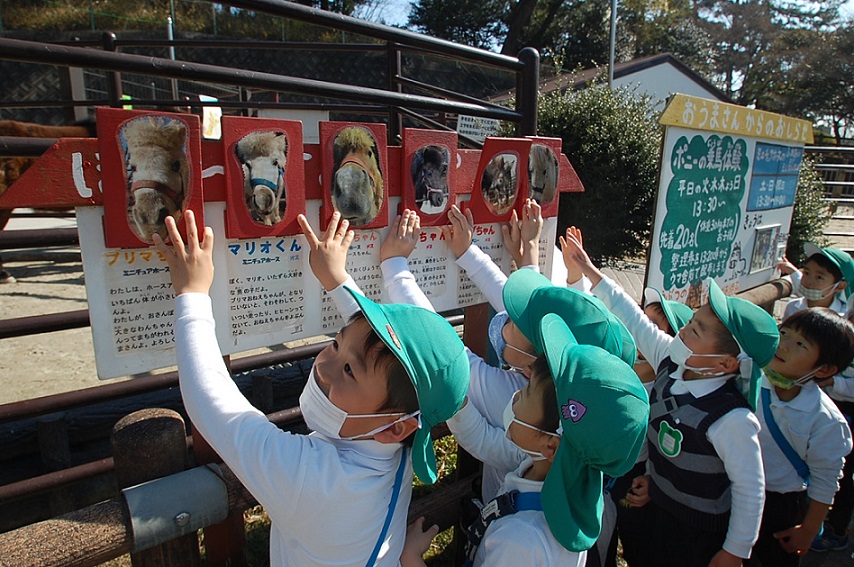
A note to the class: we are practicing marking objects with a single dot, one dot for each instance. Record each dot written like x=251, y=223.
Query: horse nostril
x=161, y=216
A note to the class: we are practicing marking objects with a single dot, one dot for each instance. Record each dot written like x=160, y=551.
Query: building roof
x=581, y=80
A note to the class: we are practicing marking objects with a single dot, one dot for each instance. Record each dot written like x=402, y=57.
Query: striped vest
x=688, y=478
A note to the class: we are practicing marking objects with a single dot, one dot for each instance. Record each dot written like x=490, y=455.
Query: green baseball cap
x=604, y=411
x=840, y=258
x=753, y=329
x=435, y=360
x=529, y=296
x=677, y=314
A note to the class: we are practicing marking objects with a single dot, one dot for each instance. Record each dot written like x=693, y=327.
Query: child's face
x=348, y=378
x=796, y=356
x=519, y=352
x=700, y=334
x=816, y=277
x=528, y=408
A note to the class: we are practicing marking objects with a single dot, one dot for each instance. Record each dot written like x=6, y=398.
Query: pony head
x=542, y=173
x=157, y=173
x=429, y=172
x=498, y=183
x=357, y=182
x=263, y=156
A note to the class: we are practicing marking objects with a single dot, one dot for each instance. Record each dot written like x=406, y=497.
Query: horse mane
x=354, y=139
x=257, y=144
x=149, y=131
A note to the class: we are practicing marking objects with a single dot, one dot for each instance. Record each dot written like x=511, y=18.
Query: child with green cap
x=822, y=281
x=804, y=437
x=528, y=297
x=705, y=476
x=582, y=414
x=372, y=397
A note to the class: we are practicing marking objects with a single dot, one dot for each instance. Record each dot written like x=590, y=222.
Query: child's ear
x=729, y=364
x=841, y=284
x=826, y=370
x=550, y=447
x=397, y=432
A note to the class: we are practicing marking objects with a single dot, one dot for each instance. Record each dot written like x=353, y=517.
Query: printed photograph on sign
x=542, y=174
x=154, y=150
x=429, y=172
x=357, y=180
x=764, y=248
x=263, y=156
x=499, y=184
x=264, y=175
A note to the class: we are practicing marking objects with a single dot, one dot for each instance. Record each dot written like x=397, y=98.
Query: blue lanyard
x=395, y=492
x=797, y=462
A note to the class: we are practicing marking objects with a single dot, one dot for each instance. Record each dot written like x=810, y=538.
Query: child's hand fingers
x=313, y=242
x=208, y=240
x=162, y=247
x=174, y=236
x=347, y=238
x=192, y=230
x=469, y=217
x=342, y=231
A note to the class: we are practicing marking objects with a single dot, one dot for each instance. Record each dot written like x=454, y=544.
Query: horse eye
x=176, y=165
x=275, y=163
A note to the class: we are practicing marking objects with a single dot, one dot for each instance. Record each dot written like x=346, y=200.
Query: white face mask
x=510, y=417
x=816, y=294
x=323, y=416
x=679, y=353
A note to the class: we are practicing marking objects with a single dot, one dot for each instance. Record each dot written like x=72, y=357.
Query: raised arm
x=399, y=243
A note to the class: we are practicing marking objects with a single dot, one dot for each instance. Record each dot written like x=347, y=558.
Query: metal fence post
x=114, y=80
x=527, y=89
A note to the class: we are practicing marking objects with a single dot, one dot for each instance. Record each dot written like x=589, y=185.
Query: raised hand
x=573, y=252
x=403, y=236
x=522, y=235
x=573, y=270
x=460, y=231
x=191, y=266
x=328, y=255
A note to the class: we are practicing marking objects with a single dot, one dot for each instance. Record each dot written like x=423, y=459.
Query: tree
x=612, y=141
x=471, y=22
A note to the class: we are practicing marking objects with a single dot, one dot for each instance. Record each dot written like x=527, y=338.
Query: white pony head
x=263, y=156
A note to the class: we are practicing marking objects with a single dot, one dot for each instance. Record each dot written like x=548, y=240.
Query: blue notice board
x=775, y=176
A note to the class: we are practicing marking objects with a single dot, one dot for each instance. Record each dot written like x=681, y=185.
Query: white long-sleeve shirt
x=327, y=498
x=490, y=388
x=818, y=433
x=735, y=436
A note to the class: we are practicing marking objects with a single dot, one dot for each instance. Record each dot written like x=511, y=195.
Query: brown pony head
x=357, y=181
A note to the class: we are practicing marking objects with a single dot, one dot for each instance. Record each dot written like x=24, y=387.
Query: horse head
x=357, y=182
x=542, y=173
x=430, y=175
x=157, y=173
x=263, y=156
x=498, y=183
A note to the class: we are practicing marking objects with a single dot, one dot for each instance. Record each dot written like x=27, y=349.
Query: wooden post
x=224, y=542
x=150, y=444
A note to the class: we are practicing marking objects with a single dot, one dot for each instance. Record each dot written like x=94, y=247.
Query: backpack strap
x=500, y=506
x=800, y=466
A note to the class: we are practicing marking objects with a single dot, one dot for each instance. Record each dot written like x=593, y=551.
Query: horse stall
x=77, y=465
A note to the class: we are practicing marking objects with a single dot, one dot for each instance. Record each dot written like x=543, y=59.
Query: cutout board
x=150, y=168
x=725, y=198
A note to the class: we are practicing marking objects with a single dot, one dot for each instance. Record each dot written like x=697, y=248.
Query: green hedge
x=612, y=138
